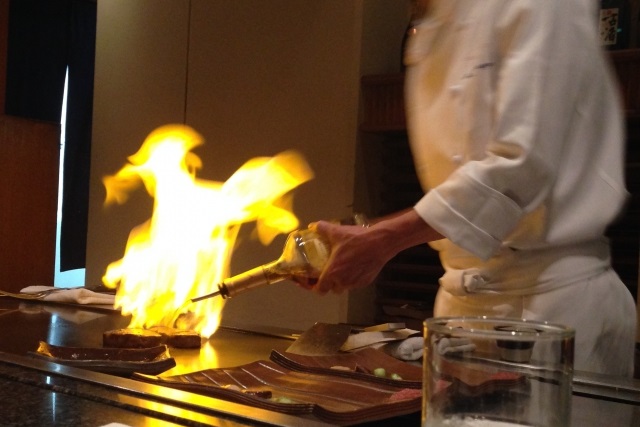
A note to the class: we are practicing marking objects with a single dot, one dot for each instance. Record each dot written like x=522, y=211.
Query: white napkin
x=366, y=339
x=408, y=349
x=454, y=345
x=72, y=295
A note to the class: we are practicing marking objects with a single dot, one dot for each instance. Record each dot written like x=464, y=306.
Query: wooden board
x=29, y=163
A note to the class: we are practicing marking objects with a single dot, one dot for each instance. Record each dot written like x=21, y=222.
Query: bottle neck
x=304, y=255
x=263, y=275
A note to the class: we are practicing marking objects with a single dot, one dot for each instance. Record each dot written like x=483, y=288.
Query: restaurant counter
x=36, y=392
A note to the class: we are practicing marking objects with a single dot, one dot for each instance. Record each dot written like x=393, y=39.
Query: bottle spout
x=240, y=283
x=202, y=297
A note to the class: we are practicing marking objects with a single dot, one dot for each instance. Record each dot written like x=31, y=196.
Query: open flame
x=184, y=249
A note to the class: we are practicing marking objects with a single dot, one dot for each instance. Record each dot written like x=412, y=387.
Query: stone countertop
x=34, y=398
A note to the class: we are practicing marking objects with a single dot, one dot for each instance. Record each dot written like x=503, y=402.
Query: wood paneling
x=29, y=162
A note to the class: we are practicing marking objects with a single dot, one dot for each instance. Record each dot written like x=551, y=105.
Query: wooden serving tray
x=115, y=361
x=330, y=395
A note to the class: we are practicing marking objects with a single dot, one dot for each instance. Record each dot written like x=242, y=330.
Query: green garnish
x=380, y=372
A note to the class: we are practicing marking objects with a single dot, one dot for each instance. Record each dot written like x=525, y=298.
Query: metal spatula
x=321, y=339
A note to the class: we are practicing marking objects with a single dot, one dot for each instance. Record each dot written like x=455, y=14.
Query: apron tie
x=525, y=271
x=462, y=282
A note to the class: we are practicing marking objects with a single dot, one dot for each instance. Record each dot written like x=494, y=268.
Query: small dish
x=115, y=361
x=519, y=346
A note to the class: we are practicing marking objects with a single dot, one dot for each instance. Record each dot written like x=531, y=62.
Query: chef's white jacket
x=517, y=133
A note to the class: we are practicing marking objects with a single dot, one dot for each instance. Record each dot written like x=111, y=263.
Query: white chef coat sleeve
x=537, y=73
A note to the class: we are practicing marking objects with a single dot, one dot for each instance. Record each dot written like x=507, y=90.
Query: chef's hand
x=357, y=256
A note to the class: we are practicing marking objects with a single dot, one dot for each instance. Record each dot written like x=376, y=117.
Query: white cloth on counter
x=402, y=344
x=408, y=349
x=72, y=295
x=366, y=339
x=454, y=345
x=412, y=348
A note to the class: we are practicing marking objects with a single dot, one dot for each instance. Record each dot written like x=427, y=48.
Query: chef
x=517, y=134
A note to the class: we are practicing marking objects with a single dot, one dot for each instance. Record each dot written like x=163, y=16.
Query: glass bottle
x=304, y=255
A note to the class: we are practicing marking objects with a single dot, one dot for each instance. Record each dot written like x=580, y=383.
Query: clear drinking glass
x=487, y=372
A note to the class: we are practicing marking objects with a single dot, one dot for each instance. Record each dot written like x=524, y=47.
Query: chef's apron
x=548, y=283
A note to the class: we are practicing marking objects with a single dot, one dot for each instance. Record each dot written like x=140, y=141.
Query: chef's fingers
x=342, y=270
x=323, y=284
x=304, y=282
x=319, y=227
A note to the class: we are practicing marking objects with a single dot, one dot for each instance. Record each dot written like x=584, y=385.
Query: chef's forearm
x=404, y=230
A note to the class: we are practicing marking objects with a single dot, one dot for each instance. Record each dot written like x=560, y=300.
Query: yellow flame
x=184, y=249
